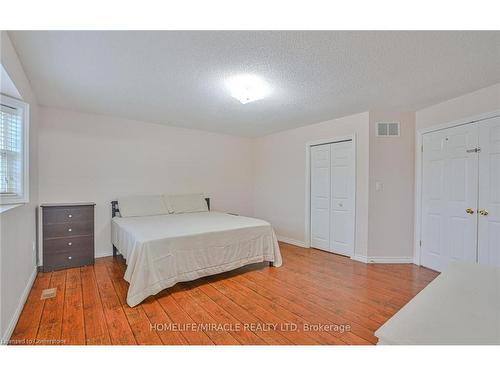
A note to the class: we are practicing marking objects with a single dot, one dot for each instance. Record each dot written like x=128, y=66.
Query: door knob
x=484, y=212
x=470, y=211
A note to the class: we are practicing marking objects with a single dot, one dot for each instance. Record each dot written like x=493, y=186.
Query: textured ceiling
x=177, y=78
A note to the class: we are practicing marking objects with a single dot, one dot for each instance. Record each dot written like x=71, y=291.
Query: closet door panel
x=449, y=196
x=320, y=197
x=461, y=180
x=342, y=193
x=434, y=200
x=489, y=192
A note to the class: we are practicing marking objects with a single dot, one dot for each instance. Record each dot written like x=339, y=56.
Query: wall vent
x=388, y=129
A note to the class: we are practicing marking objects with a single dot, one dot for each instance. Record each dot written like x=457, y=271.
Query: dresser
x=67, y=235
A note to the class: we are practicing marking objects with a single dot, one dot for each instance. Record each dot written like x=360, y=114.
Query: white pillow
x=185, y=203
x=142, y=205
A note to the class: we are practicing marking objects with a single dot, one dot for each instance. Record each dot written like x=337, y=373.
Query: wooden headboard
x=115, y=209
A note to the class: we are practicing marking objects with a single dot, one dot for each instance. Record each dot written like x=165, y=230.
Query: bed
x=162, y=250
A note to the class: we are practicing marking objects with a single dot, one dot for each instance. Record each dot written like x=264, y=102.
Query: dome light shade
x=247, y=88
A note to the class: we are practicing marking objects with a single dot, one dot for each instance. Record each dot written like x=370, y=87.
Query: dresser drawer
x=79, y=244
x=54, y=215
x=68, y=229
x=66, y=259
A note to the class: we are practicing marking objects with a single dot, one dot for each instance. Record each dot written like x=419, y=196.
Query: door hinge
x=422, y=148
x=477, y=149
x=420, y=243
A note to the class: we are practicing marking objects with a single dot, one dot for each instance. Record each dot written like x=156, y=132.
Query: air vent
x=388, y=129
x=49, y=293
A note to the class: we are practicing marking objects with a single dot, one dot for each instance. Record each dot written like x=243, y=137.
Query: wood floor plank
x=182, y=320
x=380, y=299
x=253, y=323
x=49, y=332
x=313, y=288
x=269, y=317
x=222, y=317
x=161, y=322
x=361, y=301
x=118, y=326
x=139, y=323
x=289, y=317
x=313, y=314
x=96, y=330
x=73, y=326
x=294, y=292
x=333, y=297
x=29, y=321
x=200, y=316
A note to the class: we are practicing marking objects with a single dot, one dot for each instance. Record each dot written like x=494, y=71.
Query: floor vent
x=49, y=293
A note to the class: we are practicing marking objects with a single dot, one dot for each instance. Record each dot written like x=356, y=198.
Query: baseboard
x=17, y=313
x=360, y=258
x=102, y=254
x=383, y=260
x=291, y=241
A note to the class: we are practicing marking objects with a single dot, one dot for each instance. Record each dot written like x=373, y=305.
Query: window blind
x=11, y=151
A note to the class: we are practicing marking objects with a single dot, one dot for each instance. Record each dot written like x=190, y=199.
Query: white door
x=320, y=197
x=449, y=196
x=489, y=192
x=332, y=197
x=342, y=198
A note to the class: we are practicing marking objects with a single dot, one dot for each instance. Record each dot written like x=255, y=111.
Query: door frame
x=419, y=170
x=350, y=137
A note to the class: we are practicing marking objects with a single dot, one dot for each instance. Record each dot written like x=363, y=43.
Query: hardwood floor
x=314, y=298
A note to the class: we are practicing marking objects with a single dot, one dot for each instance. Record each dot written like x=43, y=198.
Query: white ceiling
x=177, y=78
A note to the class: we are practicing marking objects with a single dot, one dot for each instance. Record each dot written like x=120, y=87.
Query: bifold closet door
x=332, y=197
x=449, y=196
x=489, y=192
x=320, y=197
x=342, y=198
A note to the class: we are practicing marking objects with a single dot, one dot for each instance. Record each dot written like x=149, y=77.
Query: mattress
x=461, y=306
x=163, y=250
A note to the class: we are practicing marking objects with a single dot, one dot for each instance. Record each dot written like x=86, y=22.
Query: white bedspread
x=163, y=250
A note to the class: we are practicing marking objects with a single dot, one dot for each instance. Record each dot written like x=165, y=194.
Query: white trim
x=20, y=306
x=418, y=171
x=383, y=260
x=291, y=241
x=102, y=254
x=8, y=207
x=25, y=107
x=360, y=258
x=350, y=137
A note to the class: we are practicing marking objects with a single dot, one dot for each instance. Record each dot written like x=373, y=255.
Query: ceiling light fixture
x=247, y=88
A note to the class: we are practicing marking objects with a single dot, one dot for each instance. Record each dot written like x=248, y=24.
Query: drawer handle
x=70, y=258
x=70, y=216
x=70, y=243
x=70, y=230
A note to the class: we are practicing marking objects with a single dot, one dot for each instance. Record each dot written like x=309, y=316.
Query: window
x=14, y=146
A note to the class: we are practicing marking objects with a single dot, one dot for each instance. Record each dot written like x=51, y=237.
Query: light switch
x=379, y=186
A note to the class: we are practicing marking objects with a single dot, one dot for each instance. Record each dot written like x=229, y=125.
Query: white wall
x=475, y=103
x=280, y=176
x=392, y=163
x=18, y=225
x=86, y=157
